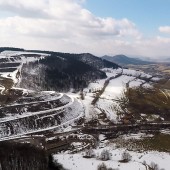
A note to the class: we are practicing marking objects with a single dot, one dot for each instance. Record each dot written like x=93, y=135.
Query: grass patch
x=149, y=101
x=159, y=142
x=6, y=82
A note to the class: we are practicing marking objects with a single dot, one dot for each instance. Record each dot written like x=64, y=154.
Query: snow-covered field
x=106, y=103
x=108, y=100
x=98, y=84
x=116, y=86
x=139, y=160
x=77, y=162
x=72, y=110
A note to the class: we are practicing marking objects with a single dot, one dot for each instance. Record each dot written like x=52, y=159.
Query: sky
x=101, y=27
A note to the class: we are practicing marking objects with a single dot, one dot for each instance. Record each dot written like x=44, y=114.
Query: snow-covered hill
x=93, y=88
x=35, y=112
x=11, y=64
x=114, y=90
x=26, y=111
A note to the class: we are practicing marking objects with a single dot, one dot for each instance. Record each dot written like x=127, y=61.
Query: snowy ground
x=108, y=100
x=76, y=110
x=116, y=86
x=77, y=162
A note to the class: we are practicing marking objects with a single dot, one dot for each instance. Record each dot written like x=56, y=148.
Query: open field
x=149, y=142
x=154, y=69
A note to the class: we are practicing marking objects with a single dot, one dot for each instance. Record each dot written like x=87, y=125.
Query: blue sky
x=148, y=15
x=100, y=27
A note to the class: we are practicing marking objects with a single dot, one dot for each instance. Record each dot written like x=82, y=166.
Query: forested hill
x=10, y=49
x=94, y=61
x=61, y=71
x=86, y=58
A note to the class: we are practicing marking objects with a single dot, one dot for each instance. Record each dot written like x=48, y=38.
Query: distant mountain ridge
x=124, y=60
x=167, y=59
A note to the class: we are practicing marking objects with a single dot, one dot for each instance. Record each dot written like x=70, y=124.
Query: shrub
x=126, y=157
x=89, y=154
x=102, y=167
x=105, y=155
x=152, y=166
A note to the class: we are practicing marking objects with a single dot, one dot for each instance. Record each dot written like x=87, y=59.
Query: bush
x=102, y=167
x=105, y=155
x=89, y=154
x=126, y=157
x=154, y=166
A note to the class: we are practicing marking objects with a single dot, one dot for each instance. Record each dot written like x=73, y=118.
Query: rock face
x=39, y=112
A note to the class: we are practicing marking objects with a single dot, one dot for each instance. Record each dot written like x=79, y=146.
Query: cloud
x=164, y=29
x=25, y=8
x=66, y=18
x=64, y=25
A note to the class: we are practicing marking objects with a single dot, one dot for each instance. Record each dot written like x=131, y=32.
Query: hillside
x=53, y=70
x=124, y=60
x=74, y=102
x=96, y=62
x=62, y=72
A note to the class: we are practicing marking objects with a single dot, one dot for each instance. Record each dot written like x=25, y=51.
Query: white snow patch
x=14, y=53
x=77, y=162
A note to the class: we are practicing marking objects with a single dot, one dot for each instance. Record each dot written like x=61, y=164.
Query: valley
x=75, y=116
